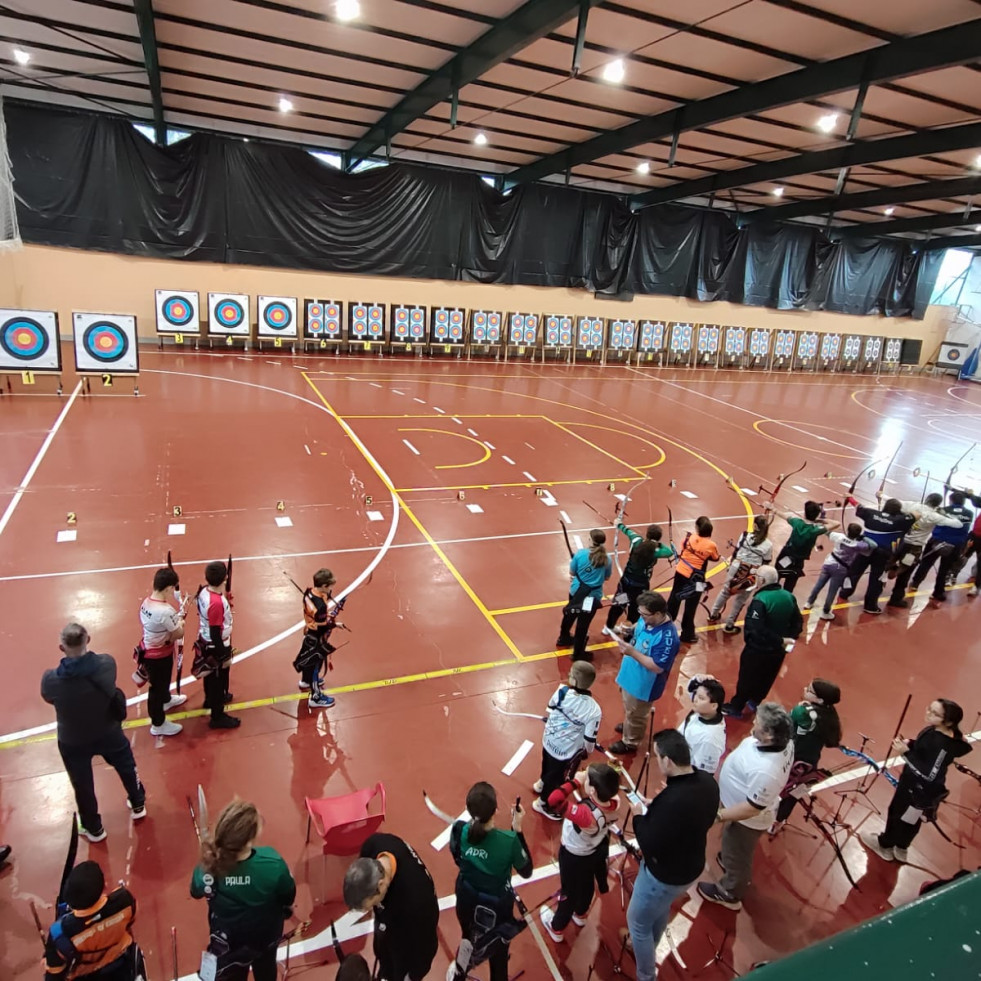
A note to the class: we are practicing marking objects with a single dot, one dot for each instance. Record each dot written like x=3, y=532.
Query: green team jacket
x=773, y=616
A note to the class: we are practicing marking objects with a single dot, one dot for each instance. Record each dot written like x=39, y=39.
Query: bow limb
x=438, y=812
x=957, y=465
x=885, y=473
x=783, y=479
x=619, y=515
x=565, y=535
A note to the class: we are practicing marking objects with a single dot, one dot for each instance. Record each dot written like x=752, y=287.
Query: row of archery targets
x=107, y=343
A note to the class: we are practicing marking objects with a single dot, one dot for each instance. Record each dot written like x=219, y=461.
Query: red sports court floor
x=455, y=614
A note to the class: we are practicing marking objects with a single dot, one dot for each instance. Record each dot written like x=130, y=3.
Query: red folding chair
x=344, y=822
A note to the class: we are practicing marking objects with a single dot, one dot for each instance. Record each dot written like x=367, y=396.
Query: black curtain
x=93, y=182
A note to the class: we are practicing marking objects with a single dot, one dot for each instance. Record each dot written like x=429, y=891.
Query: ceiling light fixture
x=977, y=228
x=480, y=139
x=21, y=57
x=827, y=123
x=889, y=211
x=778, y=192
x=284, y=104
x=644, y=167
x=977, y=161
x=614, y=71
x=346, y=10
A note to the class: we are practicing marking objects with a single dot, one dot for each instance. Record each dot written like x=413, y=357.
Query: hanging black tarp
x=94, y=182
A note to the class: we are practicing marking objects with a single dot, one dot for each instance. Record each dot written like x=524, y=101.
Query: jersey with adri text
x=159, y=619
x=214, y=611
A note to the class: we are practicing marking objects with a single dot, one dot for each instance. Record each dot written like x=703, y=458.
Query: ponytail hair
x=597, y=553
x=953, y=714
x=827, y=725
x=237, y=825
x=482, y=805
x=760, y=528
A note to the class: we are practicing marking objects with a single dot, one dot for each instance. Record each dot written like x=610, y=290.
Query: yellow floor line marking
x=520, y=483
x=444, y=558
x=451, y=432
x=599, y=449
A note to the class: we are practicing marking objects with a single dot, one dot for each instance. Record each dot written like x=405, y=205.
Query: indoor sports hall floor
x=454, y=616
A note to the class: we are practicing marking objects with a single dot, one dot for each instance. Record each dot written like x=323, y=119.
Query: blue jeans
x=647, y=916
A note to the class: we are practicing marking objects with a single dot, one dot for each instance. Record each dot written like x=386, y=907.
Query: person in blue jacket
x=945, y=544
x=644, y=670
x=589, y=568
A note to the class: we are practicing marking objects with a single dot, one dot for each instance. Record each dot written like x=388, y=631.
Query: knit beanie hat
x=827, y=691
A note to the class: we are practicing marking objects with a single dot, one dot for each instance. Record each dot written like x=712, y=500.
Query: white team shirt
x=159, y=619
x=707, y=741
x=571, y=722
x=749, y=773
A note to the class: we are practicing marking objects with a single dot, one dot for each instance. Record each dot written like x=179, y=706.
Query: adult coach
x=83, y=691
x=390, y=880
x=671, y=835
x=750, y=782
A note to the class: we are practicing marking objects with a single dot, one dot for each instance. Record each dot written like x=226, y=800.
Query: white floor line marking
x=436, y=408
x=530, y=447
x=489, y=445
x=522, y=751
x=443, y=838
x=473, y=432
x=411, y=447
x=283, y=634
x=577, y=541
x=63, y=573
x=565, y=517
x=67, y=535
x=32, y=469
x=419, y=400
x=459, y=422
x=284, y=521
x=307, y=448
x=374, y=515
x=508, y=459
x=528, y=475
x=799, y=489
x=689, y=495
x=178, y=529
x=374, y=384
x=397, y=392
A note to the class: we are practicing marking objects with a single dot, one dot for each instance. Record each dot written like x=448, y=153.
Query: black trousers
x=577, y=878
x=553, y=774
x=898, y=833
x=631, y=591
x=215, y=689
x=792, y=573
x=582, y=619
x=498, y=959
x=115, y=749
x=158, y=671
x=904, y=571
x=758, y=671
x=877, y=563
x=263, y=968
x=680, y=584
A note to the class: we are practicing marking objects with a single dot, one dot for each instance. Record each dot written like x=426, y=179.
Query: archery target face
x=830, y=345
x=735, y=341
x=177, y=312
x=783, y=347
x=590, y=331
x=105, y=343
x=807, y=345
x=622, y=335
x=29, y=341
x=759, y=343
x=228, y=314
x=277, y=316
x=651, y=336
x=486, y=327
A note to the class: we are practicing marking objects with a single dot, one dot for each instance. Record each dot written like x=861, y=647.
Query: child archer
x=213, y=648
x=320, y=611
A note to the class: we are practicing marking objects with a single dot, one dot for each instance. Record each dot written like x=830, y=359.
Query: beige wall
x=66, y=280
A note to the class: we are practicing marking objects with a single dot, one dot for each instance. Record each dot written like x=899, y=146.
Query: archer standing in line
x=319, y=619
x=837, y=567
x=752, y=550
x=945, y=544
x=589, y=568
x=885, y=530
x=213, y=648
x=927, y=517
x=636, y=576
x=689, y=576
x=163, y=626
x=804, y=533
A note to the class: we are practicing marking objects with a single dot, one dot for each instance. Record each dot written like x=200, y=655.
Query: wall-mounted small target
x=759, y=342
x=314, y=318
x=29, y=340
x=417, y=323
x=873, y=348
x=651, y=336
x=852, y=347
x=485, y=327
x=376, y=321
x=178, y=312
x=589, y=333
x=830, y=346
x=783, y=345
x=623, y=335
x=708, y=339
x=105, y=341
x=400, y=323
x=807, y=345
x=228, y=314
x=735, y=342
x=681, y=338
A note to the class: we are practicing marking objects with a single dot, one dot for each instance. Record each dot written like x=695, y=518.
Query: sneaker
x=711, y=892
x=224, y=722
x=5, y=851
x=806, y=608
x=902, y=854
x=99, y=835
x=871, y=842
x=548, y=914
x=618, y=728
x=174, y=702
x=827, y=615
x=579, y=920
x=320, y=701
x=729, y=709
x=564, y=641
x=137, y=813
x=731, y=628
x=939, y=599
x=303, y=685
x=899, y=604
x=973, y=591
x=714, y=617
x=538, y=786
x=139, y=679
x=167, y=729
x=871, y=613
x=620, y=748
x=542, y=808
